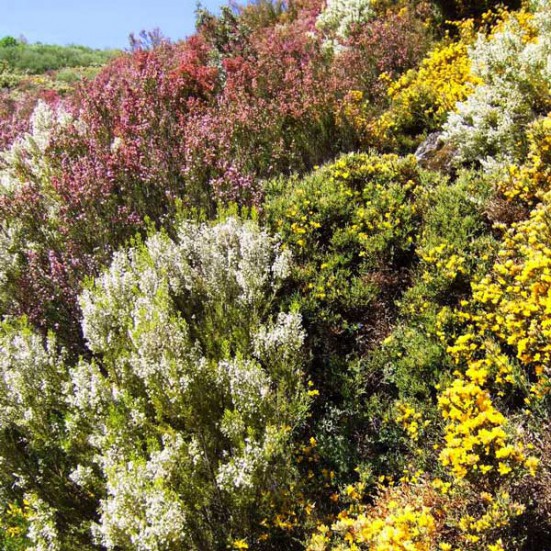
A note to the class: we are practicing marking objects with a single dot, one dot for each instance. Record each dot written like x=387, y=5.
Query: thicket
x=284, y=285
x=22, y=57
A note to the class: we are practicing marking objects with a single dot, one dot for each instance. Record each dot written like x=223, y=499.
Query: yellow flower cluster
x=13, y=522
x=444, y=261
x=372, y=219
x=299, y=216
x=409, y=420
x=531, y=180
x=444, y=76
x=425, y=96
x=475, y=437
x=364, y=167
x=510, y=309
x=399, y=521
x=516, y=297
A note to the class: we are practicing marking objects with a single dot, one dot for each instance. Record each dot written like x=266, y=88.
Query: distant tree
x=8, y=42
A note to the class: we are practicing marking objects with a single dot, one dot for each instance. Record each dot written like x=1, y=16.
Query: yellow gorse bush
x=404, y=518
x=422, y=98
x=476, y=441
x=527, y=182
x=516, y=297
x=444, y=76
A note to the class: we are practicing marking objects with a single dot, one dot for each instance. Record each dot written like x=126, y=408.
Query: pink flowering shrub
x=388, y=47
x=254, y=94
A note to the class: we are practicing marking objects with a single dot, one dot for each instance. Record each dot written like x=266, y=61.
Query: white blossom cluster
x=515, y=74
x=32, y=374
x=281, y=341
x=233, y=261
x=142, y=511
x=43, y=531
x=27, y=154
x=183, y=412
x=25, y=162
x=339, y=16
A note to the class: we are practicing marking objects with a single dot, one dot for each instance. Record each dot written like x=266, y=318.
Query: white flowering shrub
x=11, y=237
x=43, y=532
x=25, y=165
x=31, y=378
x=35, y=452
x=515, y=73
x=26, y=160
x=176, y=432
x=340, y=15
x=200, y=390
x=489, y=124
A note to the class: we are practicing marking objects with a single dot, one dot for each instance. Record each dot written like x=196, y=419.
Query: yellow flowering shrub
x=14, y=526
x=421, y=99
x=526, y=183
x=421, y=514
x=343, y=223
x=404, y=517
x=476, y=441
x=515, y=299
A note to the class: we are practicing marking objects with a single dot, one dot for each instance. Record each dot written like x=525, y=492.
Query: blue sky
x=97, y=23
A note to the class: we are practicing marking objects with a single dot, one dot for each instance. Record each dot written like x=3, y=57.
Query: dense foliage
x=21, y=57
x=283, y=285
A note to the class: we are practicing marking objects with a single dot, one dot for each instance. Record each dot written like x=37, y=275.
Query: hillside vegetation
x=38, y=58
x=284, y=285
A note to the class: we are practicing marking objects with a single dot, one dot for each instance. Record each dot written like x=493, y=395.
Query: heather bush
x=178, y=431
x=34, y=280
x=77, y=190
x=275, y=114
x=339, y=16
x=389, y=46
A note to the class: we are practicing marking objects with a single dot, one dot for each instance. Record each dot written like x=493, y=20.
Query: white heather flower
x=248, y=384
x=11, y=238
x=281, y=341
x=240, y=470
x=82, y=476
x=339, y=15
x=281, y=268
x=32, y=375
x=42, y=530
x=29, y=149
x=516, y=74
x=140, y=511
